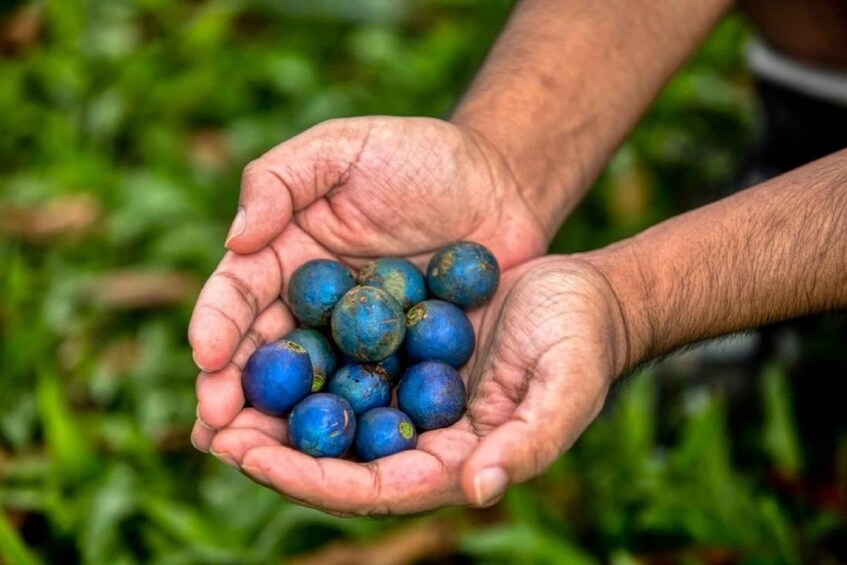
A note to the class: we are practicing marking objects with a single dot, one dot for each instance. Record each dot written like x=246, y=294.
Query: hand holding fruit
x=548, y=345
x=349, y=190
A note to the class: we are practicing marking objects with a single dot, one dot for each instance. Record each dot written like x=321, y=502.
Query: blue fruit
x=320, y=352
x=363, y=386
x=277, y=376
x=438, y=330
x=382, y=432
x=464, y=273
x=368, y=324
x=315, y=288
x=392, y=365
x=398, y=277
x=433, y=395
x=322, y=425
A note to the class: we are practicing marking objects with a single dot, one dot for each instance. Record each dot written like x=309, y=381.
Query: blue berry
x=315, y=288
x=382, y=432
x=433, y=395
x=320, y=352
x=277, y=376
x=363, y=386
x=322, y=425
x=368, y=324
x=464, y=273
x=398, y=277
x=392, y=365
x=438, y=330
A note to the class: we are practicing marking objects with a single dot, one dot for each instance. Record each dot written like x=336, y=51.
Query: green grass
x=126, y=124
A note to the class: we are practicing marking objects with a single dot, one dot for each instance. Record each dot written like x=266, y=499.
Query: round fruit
x=322, y=425
x=438, y=330
x=277, y=376
x=382, y=432
x=368, y=324
x=464, y=273
x=315, y=288
x=398, y=277
x=433, y=395
x=363, y=386
x=392, y=365
x=320, y=352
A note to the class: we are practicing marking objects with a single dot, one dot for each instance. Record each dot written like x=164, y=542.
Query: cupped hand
x=550, y=343
x=352, y=190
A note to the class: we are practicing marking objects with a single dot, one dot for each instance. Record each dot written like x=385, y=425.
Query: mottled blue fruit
x=368, y=324
x=363, y=386
x=439, y=330
x=382, y=432
x=277, y=376
x=320, y=352
x=322, y=425
x=433, y=395
x=398, y=277
x=392, y=365
x=464, y=273
x=315, y=288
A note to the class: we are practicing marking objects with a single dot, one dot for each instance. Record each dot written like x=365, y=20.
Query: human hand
x=351, y=190
x=550, y=343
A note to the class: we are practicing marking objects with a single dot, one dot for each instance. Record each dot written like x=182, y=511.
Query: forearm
x=769, y=253
x=566, y=81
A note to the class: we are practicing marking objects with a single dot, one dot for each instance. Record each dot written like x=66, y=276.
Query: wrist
x=626, y=279
x=550, y=180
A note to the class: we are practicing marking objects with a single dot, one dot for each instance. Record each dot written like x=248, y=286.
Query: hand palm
x=538, y=377
x=352, y=190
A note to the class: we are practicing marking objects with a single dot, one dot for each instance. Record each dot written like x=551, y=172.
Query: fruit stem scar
x=406, y=430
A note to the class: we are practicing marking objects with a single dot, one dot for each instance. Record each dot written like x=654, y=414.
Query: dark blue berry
x=382, y=432
x=322, y=425
x=438, y=330
x=464, y=273
x=315, y=288
x=277, y=376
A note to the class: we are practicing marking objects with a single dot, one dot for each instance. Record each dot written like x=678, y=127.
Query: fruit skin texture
x=393, y=365
x=384, y=431
x=363, y=386
x=368, y=324
x=324, y=361
x=277, y=376
x=464, y=273
x=322, y=425
x=433, y=395
x=398, y=277
x=439, y=330
x=315, y=288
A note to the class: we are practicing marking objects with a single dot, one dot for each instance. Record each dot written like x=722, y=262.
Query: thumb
x=544, y=425
x=290, y=177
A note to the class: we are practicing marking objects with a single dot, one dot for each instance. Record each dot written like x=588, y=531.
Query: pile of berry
x=383, y=330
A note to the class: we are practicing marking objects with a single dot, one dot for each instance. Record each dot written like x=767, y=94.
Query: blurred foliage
x=123, y=130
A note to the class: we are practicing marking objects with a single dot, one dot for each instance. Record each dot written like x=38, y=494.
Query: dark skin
x=559, y=91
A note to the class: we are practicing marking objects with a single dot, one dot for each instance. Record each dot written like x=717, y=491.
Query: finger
x=408, y=482
x=249, y=430
x=219, y=394
x=547, y=422
x=239, y=289
x=291, y=176
x=201, y=437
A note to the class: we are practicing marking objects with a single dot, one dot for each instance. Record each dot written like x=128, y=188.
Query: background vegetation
x=123, y=129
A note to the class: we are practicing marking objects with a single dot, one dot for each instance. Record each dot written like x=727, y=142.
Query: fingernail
x=199, y=366
x=489, y=484
x=224, y=457
x=256, y=474
x=238, y=225
x=195, y=446
x=200, y=420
